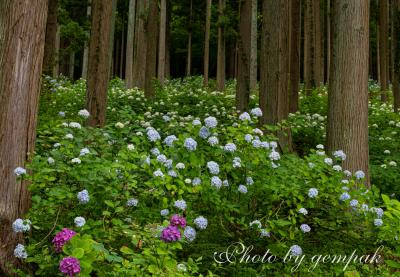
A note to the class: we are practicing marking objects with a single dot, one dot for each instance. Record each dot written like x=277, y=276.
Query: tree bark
x=396, y=53
x=244, y=63
x=71, y=65
x=139, y=67
x=221, y=47
x=22, y=39
x=51, y=38
x=253, y=47
x=98, y=65
x=189, y=49
x=328, y=38
x=274, y=88
x=111, y=47
x=130, y=44
x=86, y=46
x=151, y=48
x=383, y=48
x=312, y=45
x=168, y=41
x=56, y=67
x=162, y=42
x=207, y=42
x=294, y=40
x=347, y=128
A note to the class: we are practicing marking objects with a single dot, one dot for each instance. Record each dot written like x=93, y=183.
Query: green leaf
x=392, y=263
x=78, y=253
x=127, y=250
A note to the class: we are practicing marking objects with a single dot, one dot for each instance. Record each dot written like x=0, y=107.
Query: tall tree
x=189, y=47
x=253, y=47
x=294, y=40
x=162, y=42
x=348, y=85
x=98, y=66
x=130, y=41
x=112, y=33
x=312, y=45
x=207, y=42
x=221, y=46
x=49, y=59
x=151, y=47
x=139, y=64
x=86, y=46
x=384, y=48
x=244, y=64
x=396, y=53
x=274, y=88
x=22, y=39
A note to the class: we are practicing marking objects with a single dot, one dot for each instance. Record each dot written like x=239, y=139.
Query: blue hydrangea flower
x=213, y=141
x=196, y=122
x=164, y=212
x=248, y=137
x=244, y=116
x=132, y=202
x=312, y=193
x=249, y=181
x=354, y=203
x=172, y=173
x=196, y=181
x=264, y=233
x=242, y=189
x=180, y=204
x=216, y=182
x=189, y=233
x=153, y=135
x=201, y=222
x=211, y=122
x=237, y=162
x=274, y=156
x=345, y=196
x=213, y=167
x=359, y=174
x=158, y=173
x=378, y=222
x=303, y=211
x=339, y=154
x=79, y=221
x=225, y=183
x=169, y=140
x=83, y=196
x=190, y=144
x=19, y=171
x=204, y=132
x=20, y=252
x=257, y=112
x=20, y=225
x=296, y=250
x=305, y=228
x=161, y=158
x=230, y=147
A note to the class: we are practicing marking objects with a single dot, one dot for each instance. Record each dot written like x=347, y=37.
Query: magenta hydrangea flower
x=70, y=266
x=62, y=238
x=177, y=220
x=170, y=234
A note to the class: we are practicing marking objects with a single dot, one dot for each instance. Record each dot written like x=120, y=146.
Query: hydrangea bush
x=171, y=181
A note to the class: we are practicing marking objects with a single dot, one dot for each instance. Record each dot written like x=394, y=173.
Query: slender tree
x=151, y=47
x=348, y=85
x=384, y=48
x=396, y=53
x=244, y=64
x=130, y=44
x=162, y=42
x=22, y=39
x=253, y=47
x=112, y=33
x=207, y=42
x=86, y=46
x=98, y=66
x=139, y=61
x=189, y=47
x=294, y=40
x=312, y=45
x=221, y=47
x=274, y=88
x=49, y=59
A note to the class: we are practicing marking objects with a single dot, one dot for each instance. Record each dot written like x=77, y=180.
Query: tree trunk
x=168, y=41
x=274, y=88
x=98, y=66
x=347, y=128
x=86, y=46
x=139, y=65
x=396, y=53
x=56, y=67
x=51, y=38
x=383, y=48
x=328, y=39
x=294, y=41
x=253, y=47
x=111, y=47
x=207, y=42
x=130, y=44
x=312, y=45
x=71, y=65
x=221, y=47
x=151, y=51
x=22, y=39
x=162, y=42
x=244, y=64
x=189, y=50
